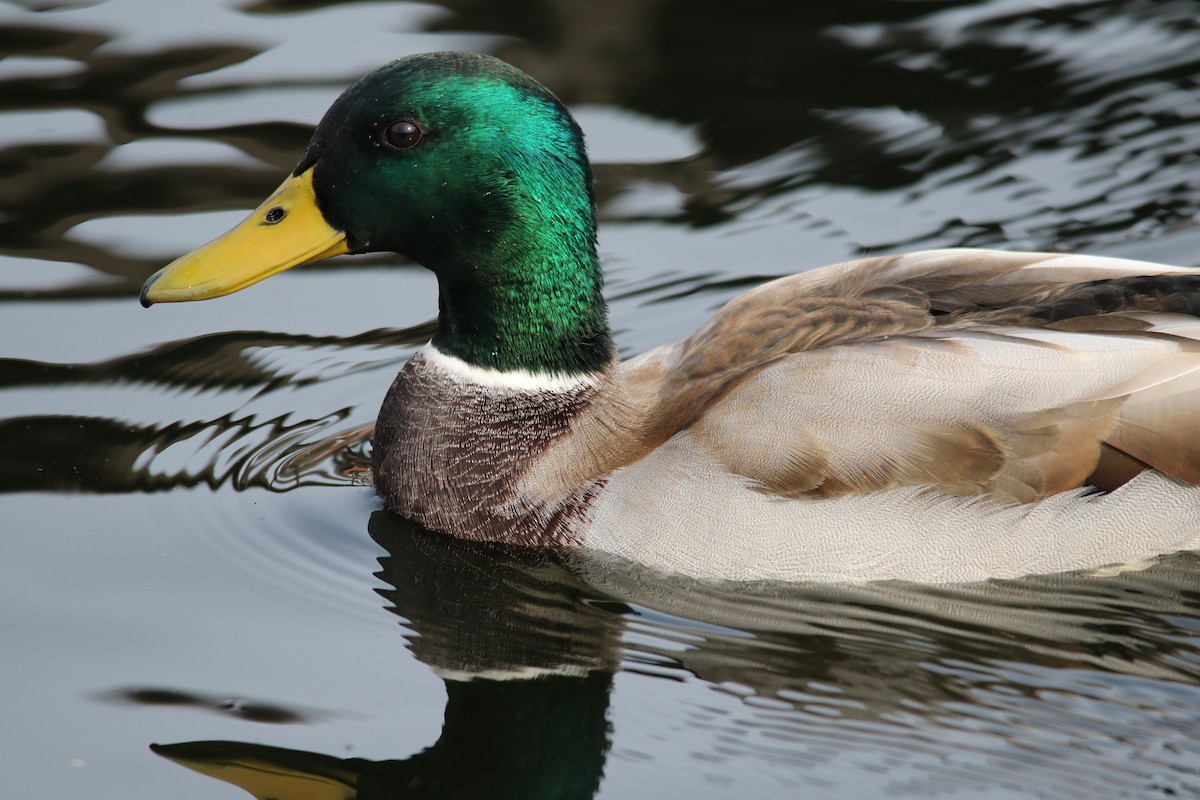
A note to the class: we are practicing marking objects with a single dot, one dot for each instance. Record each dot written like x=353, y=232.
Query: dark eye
x=403, y=134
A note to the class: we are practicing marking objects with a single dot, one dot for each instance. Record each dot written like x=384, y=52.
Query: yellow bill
x=286, y=230
x=267, y=772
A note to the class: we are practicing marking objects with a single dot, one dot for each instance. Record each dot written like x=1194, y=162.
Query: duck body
x=865, y=443
x=940, y=416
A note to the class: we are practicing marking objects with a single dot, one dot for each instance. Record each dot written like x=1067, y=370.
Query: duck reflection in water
x=527, y=644
x=527, y=661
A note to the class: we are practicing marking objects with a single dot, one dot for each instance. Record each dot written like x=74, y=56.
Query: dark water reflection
x=180, y=490
x=527, y=662
x=818, y=675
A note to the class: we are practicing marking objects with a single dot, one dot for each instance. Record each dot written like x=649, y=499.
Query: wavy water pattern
x=1059, y=687
x=183, y=505
x=254, y=374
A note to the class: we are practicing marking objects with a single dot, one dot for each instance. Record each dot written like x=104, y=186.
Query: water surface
x=192, y=561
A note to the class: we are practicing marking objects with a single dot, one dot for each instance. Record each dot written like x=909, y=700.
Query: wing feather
x=973, y=371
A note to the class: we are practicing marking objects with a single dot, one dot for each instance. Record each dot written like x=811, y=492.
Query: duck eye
x=403, y=134
x=274, y=214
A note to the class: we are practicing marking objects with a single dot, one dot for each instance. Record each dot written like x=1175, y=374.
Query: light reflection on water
x=184, y=530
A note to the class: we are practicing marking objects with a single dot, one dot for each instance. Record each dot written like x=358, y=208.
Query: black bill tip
x=146, y=301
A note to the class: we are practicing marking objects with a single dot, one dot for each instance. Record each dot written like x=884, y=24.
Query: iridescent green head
x=469, y=167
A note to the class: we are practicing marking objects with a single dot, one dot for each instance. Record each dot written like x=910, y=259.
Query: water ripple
x=1071, y=686
x=736, y=144
x=261, y=442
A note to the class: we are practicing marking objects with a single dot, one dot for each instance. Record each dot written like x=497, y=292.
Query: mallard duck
x=949, y=415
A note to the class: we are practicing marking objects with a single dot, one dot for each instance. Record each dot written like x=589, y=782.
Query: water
x=191, y=560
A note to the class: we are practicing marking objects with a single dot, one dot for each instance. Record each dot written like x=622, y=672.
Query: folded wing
x=1013, y=374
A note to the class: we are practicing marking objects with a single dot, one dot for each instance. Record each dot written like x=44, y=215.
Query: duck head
x=463, y=164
